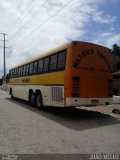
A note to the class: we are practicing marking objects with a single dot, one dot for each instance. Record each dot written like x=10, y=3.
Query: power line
x=40, y=8
x=51, y=17
x=39, y=26
x=26, y=9
x=16, y=9
x=12, y=14
x=19, y=4
x=29, y=19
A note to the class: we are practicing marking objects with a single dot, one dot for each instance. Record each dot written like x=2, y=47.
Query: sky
x=36, y=26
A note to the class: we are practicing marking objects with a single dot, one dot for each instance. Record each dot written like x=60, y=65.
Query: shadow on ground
x=77, y=119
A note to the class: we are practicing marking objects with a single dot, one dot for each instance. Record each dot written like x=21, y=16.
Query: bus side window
x=53, y=62
x=27, y=69
x=31, y=68
x=21, y=71
x=61, y=60
x=14, y=72
x=17, y=72
x=40, y=66
x=24, y=70
x=35, y=67
x=46, y=65
x=10, y=74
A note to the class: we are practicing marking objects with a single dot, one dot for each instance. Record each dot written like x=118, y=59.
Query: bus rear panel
x=88, y=75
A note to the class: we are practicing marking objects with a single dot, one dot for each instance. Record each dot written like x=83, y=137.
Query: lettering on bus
x=87, y=68
x=104, y=70
x=15, y=80
x=26, y=80
x=102, y=56
x=81, y=56
x=88, y=52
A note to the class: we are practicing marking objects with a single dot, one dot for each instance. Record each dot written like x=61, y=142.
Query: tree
x=118, y=65
x=116, y=50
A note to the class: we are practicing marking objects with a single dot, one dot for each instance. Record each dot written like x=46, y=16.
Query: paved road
x=24, y=129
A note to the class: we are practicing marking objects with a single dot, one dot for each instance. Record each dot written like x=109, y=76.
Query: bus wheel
x=38, y=101
x=32, y=99
x=11, y=94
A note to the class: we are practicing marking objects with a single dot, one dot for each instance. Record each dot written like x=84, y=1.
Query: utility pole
x=4, y=57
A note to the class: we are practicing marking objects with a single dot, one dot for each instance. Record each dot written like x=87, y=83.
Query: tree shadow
x=76, y=119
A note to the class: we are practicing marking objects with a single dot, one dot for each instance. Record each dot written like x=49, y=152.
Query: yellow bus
x=74, y=74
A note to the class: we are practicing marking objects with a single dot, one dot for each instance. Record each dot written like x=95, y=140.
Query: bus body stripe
x=54, y=78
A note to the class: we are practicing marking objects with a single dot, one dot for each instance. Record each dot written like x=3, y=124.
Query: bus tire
x=38, y=101
x=32, y=99
x=11, y=93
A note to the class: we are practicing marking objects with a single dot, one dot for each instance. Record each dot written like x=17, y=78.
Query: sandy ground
x=24, y=129
x=106, y=109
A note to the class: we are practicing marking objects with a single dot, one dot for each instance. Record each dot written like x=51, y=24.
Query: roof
x=57, y=49
x=64, y=46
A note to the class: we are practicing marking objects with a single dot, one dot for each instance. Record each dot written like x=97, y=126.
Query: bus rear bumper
x=70, y=101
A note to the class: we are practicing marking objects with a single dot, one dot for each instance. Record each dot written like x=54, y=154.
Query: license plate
x=94, y=101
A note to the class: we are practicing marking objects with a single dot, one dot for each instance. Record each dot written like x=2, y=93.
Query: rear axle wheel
x=32, y=99
x=38, y=101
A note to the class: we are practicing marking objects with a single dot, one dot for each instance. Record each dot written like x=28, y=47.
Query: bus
x=74, y=74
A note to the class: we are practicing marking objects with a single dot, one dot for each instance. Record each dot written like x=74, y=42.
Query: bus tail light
x=75, y=86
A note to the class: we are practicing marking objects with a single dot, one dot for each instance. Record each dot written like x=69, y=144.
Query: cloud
x=101, y=18
x=37, y=26
x=108, y=39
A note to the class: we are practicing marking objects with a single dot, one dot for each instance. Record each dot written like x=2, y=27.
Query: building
x=115, y=62
x=116, y=83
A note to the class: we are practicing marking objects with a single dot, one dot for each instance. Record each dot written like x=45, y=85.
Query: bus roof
x=50, y=52
x=42, y=55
